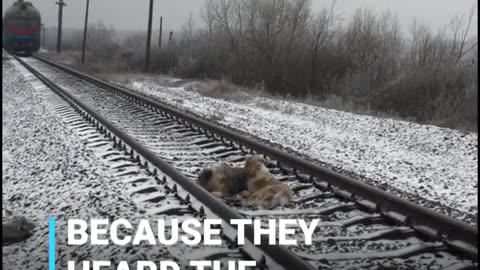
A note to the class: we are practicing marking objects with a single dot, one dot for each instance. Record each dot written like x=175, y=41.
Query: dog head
x=204, y=177
x=254, y=164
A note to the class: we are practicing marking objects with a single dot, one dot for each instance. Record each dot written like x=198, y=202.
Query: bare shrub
x=164, y=60
x=466, y=117
x=102, y=41
x=268, y=105
x=360, y=63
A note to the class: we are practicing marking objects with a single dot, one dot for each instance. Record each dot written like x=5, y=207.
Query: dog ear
x=208, y=173
x=204, y=177
x=265, y=161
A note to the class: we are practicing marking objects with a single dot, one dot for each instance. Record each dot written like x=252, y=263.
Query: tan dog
x=263, y=189
x=223, y=180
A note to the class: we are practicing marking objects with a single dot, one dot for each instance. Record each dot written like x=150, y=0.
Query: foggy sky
x=133, y=14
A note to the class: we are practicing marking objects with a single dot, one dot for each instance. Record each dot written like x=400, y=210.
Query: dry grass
x=222, y=89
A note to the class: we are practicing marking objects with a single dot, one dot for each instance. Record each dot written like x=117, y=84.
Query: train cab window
x=21, y=22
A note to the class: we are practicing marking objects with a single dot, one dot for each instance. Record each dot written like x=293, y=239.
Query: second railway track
x=360, y=228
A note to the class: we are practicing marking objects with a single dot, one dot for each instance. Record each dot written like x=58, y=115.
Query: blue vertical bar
x=51, y=243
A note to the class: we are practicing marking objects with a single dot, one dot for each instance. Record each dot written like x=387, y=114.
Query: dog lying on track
x=254, y=182
x=222, y=180
x=263, y=189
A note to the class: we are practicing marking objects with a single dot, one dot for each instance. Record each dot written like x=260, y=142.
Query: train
x=21, y=28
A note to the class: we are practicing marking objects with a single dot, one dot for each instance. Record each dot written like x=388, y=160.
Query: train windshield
x=22, y=22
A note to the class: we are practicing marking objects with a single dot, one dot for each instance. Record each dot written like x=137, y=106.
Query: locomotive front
x=21, y=28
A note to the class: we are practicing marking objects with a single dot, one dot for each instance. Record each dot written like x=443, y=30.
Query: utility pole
x=170, y=37
x=59, y=33
x=160, y=35
x=85, y=32
x=43, y=36
x=149, y=37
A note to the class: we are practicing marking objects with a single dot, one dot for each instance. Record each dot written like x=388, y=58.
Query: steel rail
x=279, y=254
x=460, y=236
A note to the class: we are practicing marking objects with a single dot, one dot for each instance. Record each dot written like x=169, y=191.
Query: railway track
x=361, y=227
x=156, y=193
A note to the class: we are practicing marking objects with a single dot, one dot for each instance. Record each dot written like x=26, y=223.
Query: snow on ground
x=49, y=172
x=429, y=162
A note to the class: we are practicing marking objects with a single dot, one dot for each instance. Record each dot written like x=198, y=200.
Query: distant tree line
x=289, y=50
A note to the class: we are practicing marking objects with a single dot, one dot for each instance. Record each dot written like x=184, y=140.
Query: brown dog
x=223, y=180
x=264, y=190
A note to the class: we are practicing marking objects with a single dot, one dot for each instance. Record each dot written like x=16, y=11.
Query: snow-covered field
x=436, y=165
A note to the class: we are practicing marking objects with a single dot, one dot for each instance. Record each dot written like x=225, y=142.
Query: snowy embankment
x=47, y=172
x=435, y=166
